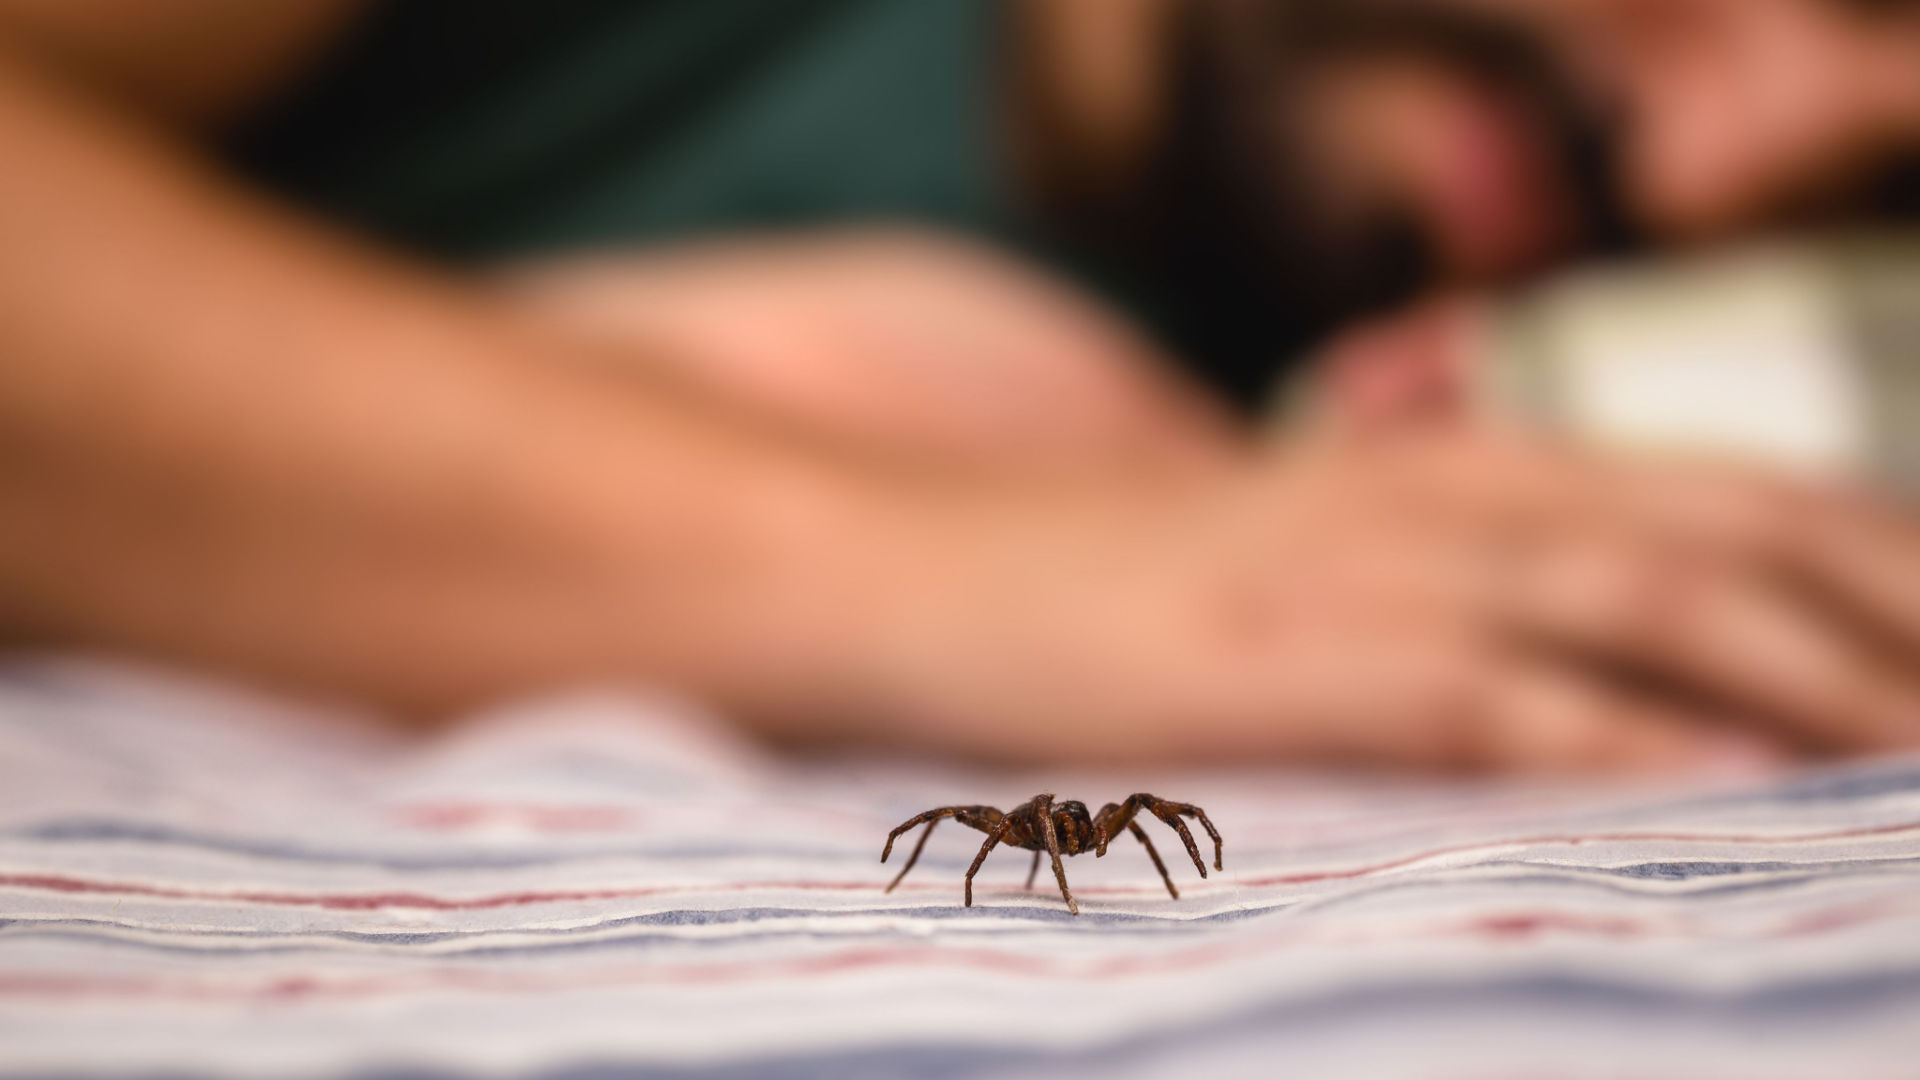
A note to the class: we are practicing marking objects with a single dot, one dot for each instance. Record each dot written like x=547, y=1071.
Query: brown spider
x=1040, y=826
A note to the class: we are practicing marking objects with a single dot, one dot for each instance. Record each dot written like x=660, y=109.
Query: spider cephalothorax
x=1041, y=825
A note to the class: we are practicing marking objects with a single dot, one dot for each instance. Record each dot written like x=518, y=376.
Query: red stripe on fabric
x=1308, y=877
x=294, y=989
x=421, y=901
x=375, y=901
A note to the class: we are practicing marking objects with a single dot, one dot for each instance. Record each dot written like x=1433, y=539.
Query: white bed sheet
x=198, y=883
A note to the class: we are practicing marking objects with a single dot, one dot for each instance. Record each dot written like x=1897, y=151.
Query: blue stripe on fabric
x=1773, y=1010
x=104, y=830
x=608, y=935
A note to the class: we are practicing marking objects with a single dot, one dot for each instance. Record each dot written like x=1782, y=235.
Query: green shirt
x=489, y=128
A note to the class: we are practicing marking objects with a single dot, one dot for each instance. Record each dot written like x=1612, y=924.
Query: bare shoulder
x=189, y=62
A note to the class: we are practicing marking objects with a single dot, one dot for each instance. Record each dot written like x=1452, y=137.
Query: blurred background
x=1248, y=179
x=1025, y=376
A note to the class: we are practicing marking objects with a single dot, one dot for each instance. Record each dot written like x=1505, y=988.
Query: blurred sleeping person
x=881, y=372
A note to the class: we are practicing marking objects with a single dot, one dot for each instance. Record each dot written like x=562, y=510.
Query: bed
x=198, y=882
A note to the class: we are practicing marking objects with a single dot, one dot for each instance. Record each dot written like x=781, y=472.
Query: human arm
x=236, y=439
x=242, y=441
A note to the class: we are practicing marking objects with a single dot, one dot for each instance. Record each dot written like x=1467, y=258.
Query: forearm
x=237, y=440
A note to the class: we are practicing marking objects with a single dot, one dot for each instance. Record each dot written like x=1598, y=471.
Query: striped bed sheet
x=196, y=883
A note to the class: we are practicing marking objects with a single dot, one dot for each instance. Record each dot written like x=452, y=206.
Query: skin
x=234, y=438
x=919, y=347
x=1742, y=109
x=1726, y=115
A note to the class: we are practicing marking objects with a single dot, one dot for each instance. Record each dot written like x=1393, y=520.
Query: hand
x=1413, y=369
x=1447, y=601
x=910, y=344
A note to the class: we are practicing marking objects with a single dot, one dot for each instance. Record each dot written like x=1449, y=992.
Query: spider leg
x=1178, y=825
x=998, y=834
x=1163, y=807
x=984, y=818
x=1108, y=822
x=1141, y=834
x=974, y=816
x=1034, y=872
x=1114, y=817
x=1212, y=833
x=913, y=858
x=1044, y=810
x=919, y=819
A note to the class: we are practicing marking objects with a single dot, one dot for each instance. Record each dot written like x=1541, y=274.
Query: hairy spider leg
x=1168, y=812
x=932, y=818
x=1186, y=837
x=913, y=858
x=1034, y=872
x=1141, y=834
x=998, y=834
x=1116, y=817
x=1106, y=825
x=1043, y=807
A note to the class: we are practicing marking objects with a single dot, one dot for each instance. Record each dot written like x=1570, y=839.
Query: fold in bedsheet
x=194, y=883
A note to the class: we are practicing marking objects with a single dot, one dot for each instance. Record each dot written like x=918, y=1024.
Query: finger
x=1862, y=550
x=1857, y=552
x=1454, y=699
x=1860, y=555
x=1717, y=630
x=1867, y=556
x=1543, y=715
x=1478, y=474
x=1518, y=483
